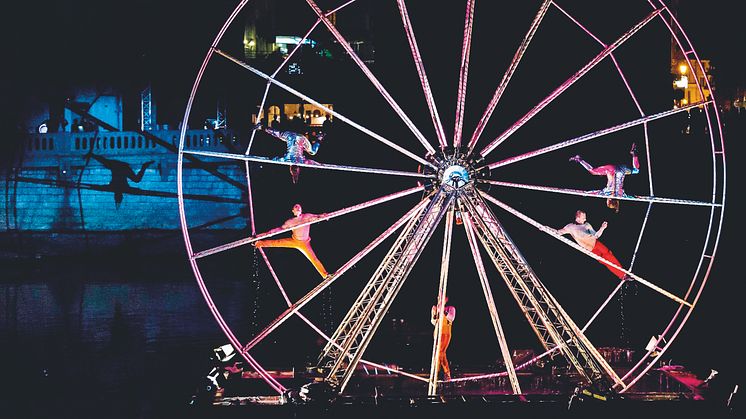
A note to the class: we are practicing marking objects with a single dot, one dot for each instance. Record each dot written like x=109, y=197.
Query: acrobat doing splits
x=300, y=239
x=297, y=145
x=614, y=176
x=584, y=234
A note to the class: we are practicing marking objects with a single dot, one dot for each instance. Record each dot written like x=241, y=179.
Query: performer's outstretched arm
x=601, y=230
x=273, y=132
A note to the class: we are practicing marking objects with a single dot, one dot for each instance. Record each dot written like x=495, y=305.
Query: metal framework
x=453, y=181
x=356, y=330
x=147, y=109
x=550, y=322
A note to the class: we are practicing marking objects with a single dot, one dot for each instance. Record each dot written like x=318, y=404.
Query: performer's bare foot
x=633, y=150
x=575, y=157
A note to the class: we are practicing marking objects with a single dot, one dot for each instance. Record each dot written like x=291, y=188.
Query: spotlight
x=653, y=347
x=224, y=353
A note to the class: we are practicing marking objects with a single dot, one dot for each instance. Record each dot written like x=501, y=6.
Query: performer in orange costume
x=301, y=239
x=445, y=336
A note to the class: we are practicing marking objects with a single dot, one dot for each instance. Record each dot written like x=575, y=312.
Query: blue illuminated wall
x=127, y=183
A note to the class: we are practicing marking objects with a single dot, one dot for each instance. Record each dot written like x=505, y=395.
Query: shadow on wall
x=120, y=173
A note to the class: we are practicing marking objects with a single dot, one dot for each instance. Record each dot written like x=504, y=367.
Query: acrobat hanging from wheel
x=615, y=174
x=297, y=145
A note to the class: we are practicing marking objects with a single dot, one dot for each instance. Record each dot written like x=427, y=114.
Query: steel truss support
x=432, y=386
x=549, y=321
x=339, y=358
x=504, y=349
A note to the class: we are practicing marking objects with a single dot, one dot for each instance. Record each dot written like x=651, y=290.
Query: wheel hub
x=454, y=168
x=456, y=176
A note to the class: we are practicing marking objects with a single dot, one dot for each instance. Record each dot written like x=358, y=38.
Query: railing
x=123, y=142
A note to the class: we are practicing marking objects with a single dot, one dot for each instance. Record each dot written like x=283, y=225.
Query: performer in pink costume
x=614, y=176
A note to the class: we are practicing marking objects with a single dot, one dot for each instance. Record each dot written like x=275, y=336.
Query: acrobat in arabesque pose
x=300, y=239
x=297, y=144
x=614, y=176
x=584, y=234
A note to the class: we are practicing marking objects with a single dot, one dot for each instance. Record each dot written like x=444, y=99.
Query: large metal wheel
x=459, y=175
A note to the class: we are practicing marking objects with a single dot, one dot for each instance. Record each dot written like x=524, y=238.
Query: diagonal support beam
x=569, y=82
x=314, y=165
x=463, y=73
x=293, y=309
x=595, y=134
x=325, y=108
x=596, y=194
x=552, y=232
x=328, y=216
x=359, y=326
x=369, y=74
x=432, y=387
x=550, y=322
x=417, y=57
x=509, y=74
x=285, y=61
x=504, y=349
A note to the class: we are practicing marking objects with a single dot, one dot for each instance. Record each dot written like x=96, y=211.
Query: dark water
x=108, y=341
x=131, y=338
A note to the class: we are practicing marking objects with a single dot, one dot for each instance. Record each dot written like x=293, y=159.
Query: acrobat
x=297, y=144
x=300, y=239
x=445, y=335
x=584, y=234
x=614, y=176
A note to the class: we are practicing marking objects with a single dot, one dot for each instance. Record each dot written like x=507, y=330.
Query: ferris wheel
x=458, y=181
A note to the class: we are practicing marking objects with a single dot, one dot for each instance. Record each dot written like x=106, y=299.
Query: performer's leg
x=308, y=251
x=602, y=170
x=287, y=242
x=582, y=162
x=445, y=339
x=601, y=250
x=138, y=177
x=635, y=159
x=294, y=173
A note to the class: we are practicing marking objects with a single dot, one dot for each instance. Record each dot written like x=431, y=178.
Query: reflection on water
x=103, y=343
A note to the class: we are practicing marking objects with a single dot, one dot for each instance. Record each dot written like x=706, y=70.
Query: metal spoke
x=325, y=217
x=509, y=74
x=377, y=84
x=442, y=288
x=504, y=349
x=323, y=166
x=319, y=331
x=362, y=320
x=552, y=232
x=613, y=58
x=325, y=108
x=285, y=61
x=325, y=283
x=463, y=73
x=569, y=82
x=422, y=74
x=594, y=134
x=598, y=194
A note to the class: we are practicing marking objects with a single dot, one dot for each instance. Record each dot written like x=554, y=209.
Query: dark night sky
x=51, y=44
